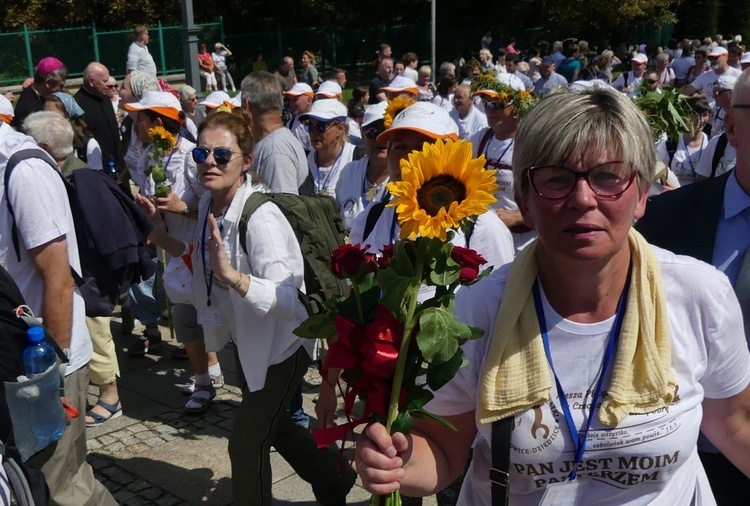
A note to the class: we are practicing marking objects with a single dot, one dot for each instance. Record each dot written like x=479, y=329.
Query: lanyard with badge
x=369, y=192
x=498, y=162
x=208, y=315
x=323, y=189
x=570, y=490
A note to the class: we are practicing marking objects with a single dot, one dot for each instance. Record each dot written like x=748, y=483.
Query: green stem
x=166, y=297
x=403, y=352
x=358, y=298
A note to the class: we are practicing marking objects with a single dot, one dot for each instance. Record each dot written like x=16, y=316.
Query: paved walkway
x=157, y=454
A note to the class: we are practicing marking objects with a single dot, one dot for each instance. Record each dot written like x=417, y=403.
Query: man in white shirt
x=47, y=257
x=468, y=118
x=138, y=56
x=704, y=83
x=628, y=81
x=300, y=102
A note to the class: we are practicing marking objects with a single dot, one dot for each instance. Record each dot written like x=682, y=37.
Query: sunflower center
x=440, y=192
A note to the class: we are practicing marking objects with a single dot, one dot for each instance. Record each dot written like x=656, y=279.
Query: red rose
x=382, y=339
x=469, y=260
x=387, y=255
x=371, y=263
x=347, y=260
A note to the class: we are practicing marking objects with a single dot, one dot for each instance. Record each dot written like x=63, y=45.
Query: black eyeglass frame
x=222, y=154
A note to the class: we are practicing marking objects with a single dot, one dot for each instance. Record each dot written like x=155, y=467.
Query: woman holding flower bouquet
x=251, y=297
x=602, y=356
x=167, y=174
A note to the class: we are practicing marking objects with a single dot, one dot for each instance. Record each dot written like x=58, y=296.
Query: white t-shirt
x=354, y=193
x=499, y=155
x=299, y=130
x=704, y=83
x=411, y=74
x=710, y=359
x=182, y=173
x=326, y=178
x=491, y=238
x=717, y=123
x=355, y=133
x=686, y=159
x=726, y=163
x=220, y=58
x=681, y=66
x=445, y=103
x=140, y=59
x=632, y=81
x=475, y=121
x=94, y=155
x=42, y=214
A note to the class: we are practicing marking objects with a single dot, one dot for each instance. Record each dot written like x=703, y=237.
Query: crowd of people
x=611, y=371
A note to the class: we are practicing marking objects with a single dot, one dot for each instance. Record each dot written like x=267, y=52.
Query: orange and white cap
x=300, y=89
x=217, y=99
x=6, y=110
x=329, y=89
x=401, y=84
x=425, y=118
x=161, y=102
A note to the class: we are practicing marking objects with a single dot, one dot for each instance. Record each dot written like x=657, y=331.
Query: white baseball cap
x=718, y=51
x=236, y=100
x=640, y=58
x=217, y=99
x=374, y=112
x=6, y=110
x=725, y=82
x=426, y=118
x=594, y=83
x=162, y=102
x=511, y=80
x=325, y=109
x=401, y=84
x=329, y=89
x=299, y=89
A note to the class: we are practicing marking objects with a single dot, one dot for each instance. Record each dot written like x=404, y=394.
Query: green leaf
x=402, y=424
x=398, y=291
x=439, y=334
x=317, y=326
x=476, y=332
x=443, y=270
x=440, y=374
x=418, y=397
x=421, y=413
x=401, y=262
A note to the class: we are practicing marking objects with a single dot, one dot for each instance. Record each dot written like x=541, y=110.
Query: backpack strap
x=470, y=231
x=13, y=161
x=499, y=472
x=372, y=218
x=485, y=139
x=671, y=149
x=253, y=202
x=721, y=146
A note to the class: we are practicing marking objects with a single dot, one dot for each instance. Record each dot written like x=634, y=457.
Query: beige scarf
x=517, y=376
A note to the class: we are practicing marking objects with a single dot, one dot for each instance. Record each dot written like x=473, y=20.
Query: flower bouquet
x=162, y=142
x=395, y=346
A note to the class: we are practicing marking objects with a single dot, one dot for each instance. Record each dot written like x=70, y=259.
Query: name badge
x=564, y=494
x=209, y=317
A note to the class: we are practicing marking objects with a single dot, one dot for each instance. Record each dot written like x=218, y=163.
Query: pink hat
x=49, y=64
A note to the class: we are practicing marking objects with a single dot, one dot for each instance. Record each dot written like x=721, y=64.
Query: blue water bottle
x=47, y=416
x=111, y=171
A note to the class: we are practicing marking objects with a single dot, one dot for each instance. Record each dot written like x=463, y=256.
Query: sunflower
x=395, y=106
x=441, y=186
x=161, y=139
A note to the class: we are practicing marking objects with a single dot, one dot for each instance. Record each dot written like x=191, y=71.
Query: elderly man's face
x=300, y=104
x=462, y=102
x=341, y=79
x=546, y=70
x=718, y=62
x=385, y=69
x=98, y=82
x=287, y=65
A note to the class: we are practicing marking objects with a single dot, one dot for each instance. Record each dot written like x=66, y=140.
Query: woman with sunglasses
x=331, y=150
x=363, y=181
x=250, y=296
x=496, y=143
x=602, y=357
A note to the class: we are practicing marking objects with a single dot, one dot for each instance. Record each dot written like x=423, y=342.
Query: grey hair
x=446, y=66
x=566, y=126
x=49, y=128
x=741, y=92
x=557, y=46
x=186, y=92
x=263, y=91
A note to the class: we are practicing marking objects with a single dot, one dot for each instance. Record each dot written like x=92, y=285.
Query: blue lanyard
x=579, y=440
x=208, y=279
x=688, y=158
x=330, y=172
x=500, y=158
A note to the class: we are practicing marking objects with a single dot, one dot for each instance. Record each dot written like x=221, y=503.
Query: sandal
x=202, y=396
x=149, y=340
x=189, y=387
x=114, y=410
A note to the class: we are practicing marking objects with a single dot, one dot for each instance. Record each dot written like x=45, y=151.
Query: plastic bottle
x=111, y=170
x=47, y=415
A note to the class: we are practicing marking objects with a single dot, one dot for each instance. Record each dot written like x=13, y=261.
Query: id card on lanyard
x=578, y=437
x=209, y=315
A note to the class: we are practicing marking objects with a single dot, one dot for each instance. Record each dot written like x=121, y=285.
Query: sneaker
x=189, y=387
x=143, y=344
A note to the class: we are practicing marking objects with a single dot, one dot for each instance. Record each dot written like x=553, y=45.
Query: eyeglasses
x=113, y=86
x=372, y=132
x=321, y=126
x=494, y=105
x=222, y=155
x=609, y=179
x=719, y=92
x=652, y=81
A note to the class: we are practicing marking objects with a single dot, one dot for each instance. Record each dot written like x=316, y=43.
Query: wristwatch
x=186, y=211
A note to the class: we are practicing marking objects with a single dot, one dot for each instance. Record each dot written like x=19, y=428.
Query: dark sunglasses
x=321, y=126
x=222, y=155
x=113, y=86
x=652, y=81
x=494, y=105
x=372, y=132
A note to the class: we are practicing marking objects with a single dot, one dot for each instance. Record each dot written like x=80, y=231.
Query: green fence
x=77, y=47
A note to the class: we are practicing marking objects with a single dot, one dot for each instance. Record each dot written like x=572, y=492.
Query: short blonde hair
x=566, y=126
